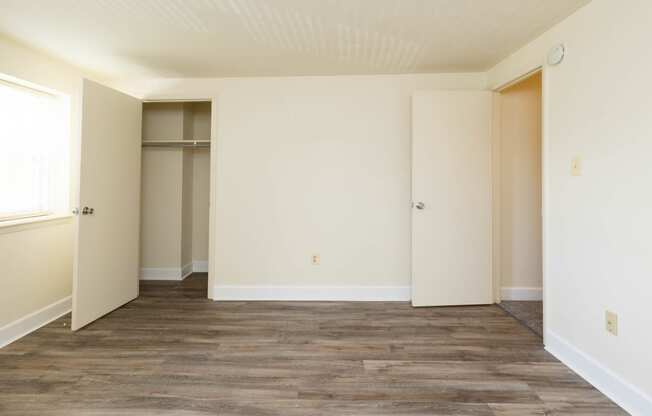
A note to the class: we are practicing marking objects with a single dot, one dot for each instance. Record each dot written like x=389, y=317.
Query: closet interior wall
x=175, y=188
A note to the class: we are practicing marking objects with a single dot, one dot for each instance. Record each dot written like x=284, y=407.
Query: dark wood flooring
x=173, y=352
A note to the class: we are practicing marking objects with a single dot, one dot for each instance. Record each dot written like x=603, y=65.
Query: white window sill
x=32, y=222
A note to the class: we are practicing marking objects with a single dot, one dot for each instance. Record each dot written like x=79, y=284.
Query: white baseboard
x=166, y=273
x=200, y=266
x=313, y=293
x=23, y=326
x=186, y=270
x=521, y=293
x=160, y=273
x=627, y=396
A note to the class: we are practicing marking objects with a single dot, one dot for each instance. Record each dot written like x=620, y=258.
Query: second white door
x=451, y=190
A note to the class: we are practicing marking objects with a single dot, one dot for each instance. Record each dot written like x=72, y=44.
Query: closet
x=175, y=189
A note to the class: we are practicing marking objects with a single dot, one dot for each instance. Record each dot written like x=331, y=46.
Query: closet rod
x=176, y=143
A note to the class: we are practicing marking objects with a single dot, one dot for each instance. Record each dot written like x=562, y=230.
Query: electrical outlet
x=576, y=166
x=611, y=321
x=315, y=259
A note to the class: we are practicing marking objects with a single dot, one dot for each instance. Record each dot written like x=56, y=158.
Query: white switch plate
x=611, y=322
x=315, y=259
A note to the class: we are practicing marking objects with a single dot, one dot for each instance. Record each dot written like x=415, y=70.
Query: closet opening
x=175, y=191
x=519, y=223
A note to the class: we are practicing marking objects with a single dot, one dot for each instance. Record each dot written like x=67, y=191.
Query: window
x=34, y=152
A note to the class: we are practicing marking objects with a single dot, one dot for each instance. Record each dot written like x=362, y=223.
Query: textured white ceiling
x=214, y=38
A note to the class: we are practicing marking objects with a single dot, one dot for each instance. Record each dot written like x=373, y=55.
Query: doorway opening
x=519, y=254
x=175, y=197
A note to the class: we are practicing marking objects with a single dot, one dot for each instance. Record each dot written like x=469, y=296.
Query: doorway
x=175, y=196
x=518, y=176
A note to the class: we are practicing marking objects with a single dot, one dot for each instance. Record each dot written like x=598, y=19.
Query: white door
x=451, y=190
x=108, y=224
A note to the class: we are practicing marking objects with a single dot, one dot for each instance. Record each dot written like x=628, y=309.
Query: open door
x=108, y=222
x=451, y=190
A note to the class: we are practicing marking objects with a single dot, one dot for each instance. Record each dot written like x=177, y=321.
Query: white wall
x=36, y=268
x=40, y=276
x=186, y=208
x=598, y=254
x=161, y=209
x=311, y=165
x=200, y=205
x=520, y=190
x=174, y=215
x=201, y=186
x=165, y=121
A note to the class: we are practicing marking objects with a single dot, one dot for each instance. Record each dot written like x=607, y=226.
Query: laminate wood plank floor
x=529, y=313
x=173, y=352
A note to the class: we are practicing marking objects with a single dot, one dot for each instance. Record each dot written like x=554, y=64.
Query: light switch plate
x=315, y=259
x=611, y=322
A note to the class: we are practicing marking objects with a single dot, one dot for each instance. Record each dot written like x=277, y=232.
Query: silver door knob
x=75, y=211
x=87, y=211
x=419, y=205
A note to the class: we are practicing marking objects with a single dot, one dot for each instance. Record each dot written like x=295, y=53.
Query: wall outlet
x=576, y=166
x=611, y=322
x=315, y=259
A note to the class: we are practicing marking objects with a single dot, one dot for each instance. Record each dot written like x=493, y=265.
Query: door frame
x=545, y=186
x=211, y=175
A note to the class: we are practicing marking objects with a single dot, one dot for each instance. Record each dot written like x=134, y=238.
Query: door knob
x=419, y=205
x=75, y=211
x=87, y=211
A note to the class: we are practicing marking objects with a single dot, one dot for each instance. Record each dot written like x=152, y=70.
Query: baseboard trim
x=172, y=273
x=186, y=270
x=160, y=273
x=521, y=293
x=627, y=396
x=313, y=293
x=200, y=266
x=23, y=326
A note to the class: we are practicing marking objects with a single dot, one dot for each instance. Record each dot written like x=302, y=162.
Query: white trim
x=17, y=82
x=166, y=273
x=623, y=393
x=545, y=194
x=23, y=216
x=521, y=293
x=310, y=293
x=160, y=273
x=186, y=270
x=23, y=326
x=212, y=198
x=15, y=225
x=177, y=100
x=200, y=266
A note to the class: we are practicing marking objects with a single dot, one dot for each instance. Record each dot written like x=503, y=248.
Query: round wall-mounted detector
x=556, y=55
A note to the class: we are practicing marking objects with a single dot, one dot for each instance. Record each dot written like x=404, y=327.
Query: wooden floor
x=172, y=352
x=527, y=312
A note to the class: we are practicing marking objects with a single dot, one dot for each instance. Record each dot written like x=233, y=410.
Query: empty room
x=325, y=207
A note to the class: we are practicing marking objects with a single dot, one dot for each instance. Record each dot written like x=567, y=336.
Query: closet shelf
x=177, y=143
